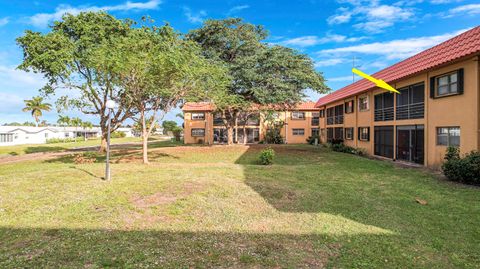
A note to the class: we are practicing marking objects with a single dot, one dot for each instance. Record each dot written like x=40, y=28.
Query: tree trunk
x=144, y=138
x=244, y=135
x=230, y=135
x=103, y=143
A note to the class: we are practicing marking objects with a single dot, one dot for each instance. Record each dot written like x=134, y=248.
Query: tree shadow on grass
x=43, y=149
x=101, y=248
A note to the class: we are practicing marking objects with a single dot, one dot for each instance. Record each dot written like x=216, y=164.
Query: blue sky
x=332, y=32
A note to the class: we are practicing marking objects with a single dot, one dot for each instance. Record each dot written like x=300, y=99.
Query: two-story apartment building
x=202, y=125
x=438, y=105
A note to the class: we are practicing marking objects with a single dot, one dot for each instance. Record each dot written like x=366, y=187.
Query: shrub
x=273, y=136
x=311, y=139
x=465, y=170
x=59, y=140
x=118, y=134
x=85, y=158
x=266, y=156
x=177, y=133
x=340, y=147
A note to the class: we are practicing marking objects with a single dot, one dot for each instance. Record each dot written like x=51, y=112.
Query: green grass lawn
x=207, y=207
x=55, y=147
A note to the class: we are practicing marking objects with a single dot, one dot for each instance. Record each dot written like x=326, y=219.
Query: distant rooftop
x=206, y=106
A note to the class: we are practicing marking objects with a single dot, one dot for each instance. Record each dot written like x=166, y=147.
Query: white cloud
x=394, y=49
x=308, y=41
x=437, y=2
x=16, y=86
x=471, y=9
x=372, y=17
x=43, y=19
x=237, y=9
x=194, y=17
x=4, y=21
x=329, y=62
x=13, y=78
x=340, y=79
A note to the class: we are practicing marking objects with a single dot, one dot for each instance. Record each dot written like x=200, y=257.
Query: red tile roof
x=206, y=106
x=200, y=106
x=465, y=44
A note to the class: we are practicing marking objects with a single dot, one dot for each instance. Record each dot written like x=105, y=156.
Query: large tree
x=160, y=69
x=261, y=74
x=76, y=56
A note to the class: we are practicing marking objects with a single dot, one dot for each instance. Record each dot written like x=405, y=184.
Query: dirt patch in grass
x=150, y=209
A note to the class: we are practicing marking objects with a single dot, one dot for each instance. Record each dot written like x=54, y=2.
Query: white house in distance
x=18, y=135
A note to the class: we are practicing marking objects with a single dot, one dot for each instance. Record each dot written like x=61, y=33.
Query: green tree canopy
x=260, y=73
x=76, y=54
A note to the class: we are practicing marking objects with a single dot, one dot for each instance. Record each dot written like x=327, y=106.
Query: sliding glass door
x=383, y=141
x=410, y=143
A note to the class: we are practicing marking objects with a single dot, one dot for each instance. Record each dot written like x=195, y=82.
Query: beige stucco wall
x=287, y=130
x=458, y=110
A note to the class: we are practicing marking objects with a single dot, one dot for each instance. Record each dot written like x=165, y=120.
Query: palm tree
x=76, y=122
x=85, y=125
x=36, y=106
x=63, y=121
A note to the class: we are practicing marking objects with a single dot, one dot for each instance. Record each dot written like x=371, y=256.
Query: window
x=198, y=116
x=298, y=115
x=349, y=107
x=330, y=115
x=67, y=134
x=315, y=118
x=339, y=133
x=335, y=115
x=448, y=136
x=329, y=134
x=410, y=102
x=197, y=132
x=217, y=119
x=46, y=135
x=315, y=132
x=363, y=103
x=5, y=138
x=249, y=119
x=349, y=133
x=364, y=133
x=298, y=131
x=384, y=107
x=447, y=84
x=322, y=113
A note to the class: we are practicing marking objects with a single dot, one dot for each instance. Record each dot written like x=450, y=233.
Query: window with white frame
x=298, y=131
x=298, y=115
x=198, y=116
x=349, y=133
x=363, y=103
x=448, y=136
x=198, y=132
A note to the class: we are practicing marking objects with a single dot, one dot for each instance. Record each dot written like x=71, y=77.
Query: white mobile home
x=18, y=135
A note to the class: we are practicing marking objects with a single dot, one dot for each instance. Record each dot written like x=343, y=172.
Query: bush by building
x=464, y=169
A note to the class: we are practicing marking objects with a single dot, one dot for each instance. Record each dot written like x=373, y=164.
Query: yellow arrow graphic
x=380, y=83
